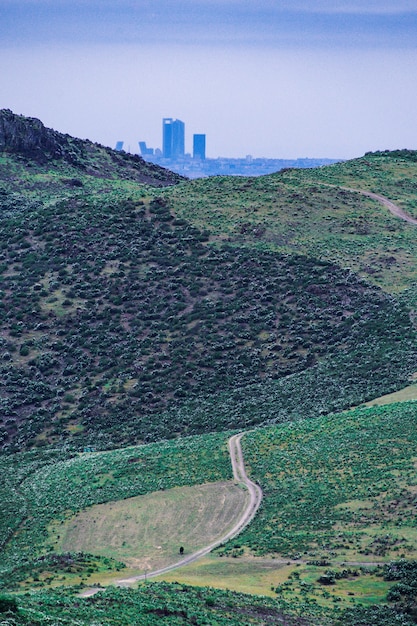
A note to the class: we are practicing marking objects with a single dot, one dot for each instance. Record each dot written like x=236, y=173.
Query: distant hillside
x=29, y=139
x=122, y=322
x=308, y=212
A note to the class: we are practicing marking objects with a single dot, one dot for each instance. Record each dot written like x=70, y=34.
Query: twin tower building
x=173, y=144
x=173, y=132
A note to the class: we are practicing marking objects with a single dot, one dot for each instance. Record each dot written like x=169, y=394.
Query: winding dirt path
x=254, y=501
x=392, y=208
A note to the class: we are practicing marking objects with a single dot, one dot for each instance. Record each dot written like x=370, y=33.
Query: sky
x=270, y=78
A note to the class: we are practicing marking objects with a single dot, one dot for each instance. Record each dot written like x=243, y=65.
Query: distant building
x=199, y=147
x=144, y=150
x=173, y=132
x=119, y=145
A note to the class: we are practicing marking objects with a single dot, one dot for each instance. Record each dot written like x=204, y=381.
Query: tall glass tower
x=199, y=147
x=173, y=132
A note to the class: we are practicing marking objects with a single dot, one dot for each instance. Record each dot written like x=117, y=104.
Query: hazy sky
x=283, y=78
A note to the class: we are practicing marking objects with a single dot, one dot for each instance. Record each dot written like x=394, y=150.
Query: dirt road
x=253, y=502
x=392, y=208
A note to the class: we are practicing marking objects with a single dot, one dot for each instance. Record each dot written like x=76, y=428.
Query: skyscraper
x=199, y=147
x=144, y=150
x=172, y=138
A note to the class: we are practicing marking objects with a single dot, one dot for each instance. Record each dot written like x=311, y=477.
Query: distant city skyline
x=271, y=78
x=172, y=142
x=196, y=165
x=173, y=138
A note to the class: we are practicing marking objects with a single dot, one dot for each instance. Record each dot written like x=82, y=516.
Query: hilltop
x=318, y=213
x=124, y=322
x=27, y=142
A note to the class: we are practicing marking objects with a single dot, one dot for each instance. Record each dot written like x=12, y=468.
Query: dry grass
x=245, y=574
x=146, y=532
x=404, y=395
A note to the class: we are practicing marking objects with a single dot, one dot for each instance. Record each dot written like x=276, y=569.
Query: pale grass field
x=146, y=532
x=253, y=575
x=404, y=395
x=262, y=576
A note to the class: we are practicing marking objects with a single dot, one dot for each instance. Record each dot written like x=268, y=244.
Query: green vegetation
x=65, y=568
x=106, y=348
x=42, y=494
x=244, y=574
x=120, y=319
x=160, y=603
x=340, y=488
x=404, y=592
x=295, y=583
x=131, y=314
x=306, y=212
x=176, y=604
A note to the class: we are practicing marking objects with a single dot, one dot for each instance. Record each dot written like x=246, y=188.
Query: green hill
x=308, y=212
x=341, y=489
x=121, y=320
x=114, y=313
x=136, y=308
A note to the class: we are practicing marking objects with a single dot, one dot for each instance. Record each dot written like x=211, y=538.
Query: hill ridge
x=29, y=138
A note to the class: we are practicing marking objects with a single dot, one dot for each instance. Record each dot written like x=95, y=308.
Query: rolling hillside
x=318, y=213
x=144, y=319
x=339, y=497
x=121, y=319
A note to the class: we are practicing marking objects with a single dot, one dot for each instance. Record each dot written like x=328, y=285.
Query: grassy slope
x=163, y=604
x=294, y=582
x=297, y=211
x=341, y=488
x=147, y=531
x=42, y=489
x=339, y=494
x=108, y=347
x=333, y=491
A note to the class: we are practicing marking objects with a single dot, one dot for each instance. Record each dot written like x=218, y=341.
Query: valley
x=221, y=368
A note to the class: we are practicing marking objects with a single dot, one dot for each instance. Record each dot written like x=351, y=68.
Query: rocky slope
x=28, y=138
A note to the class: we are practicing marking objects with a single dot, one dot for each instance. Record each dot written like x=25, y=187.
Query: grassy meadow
x=43, y=496
x=146, y=532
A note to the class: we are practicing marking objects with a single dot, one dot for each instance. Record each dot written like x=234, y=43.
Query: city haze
x=271, y=79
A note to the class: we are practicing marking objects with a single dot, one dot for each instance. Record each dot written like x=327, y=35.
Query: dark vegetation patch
x=154, y=604
x=403, y=594
x=114, y=313
x=402, y=599
x=373, y=616
x=47, y=569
